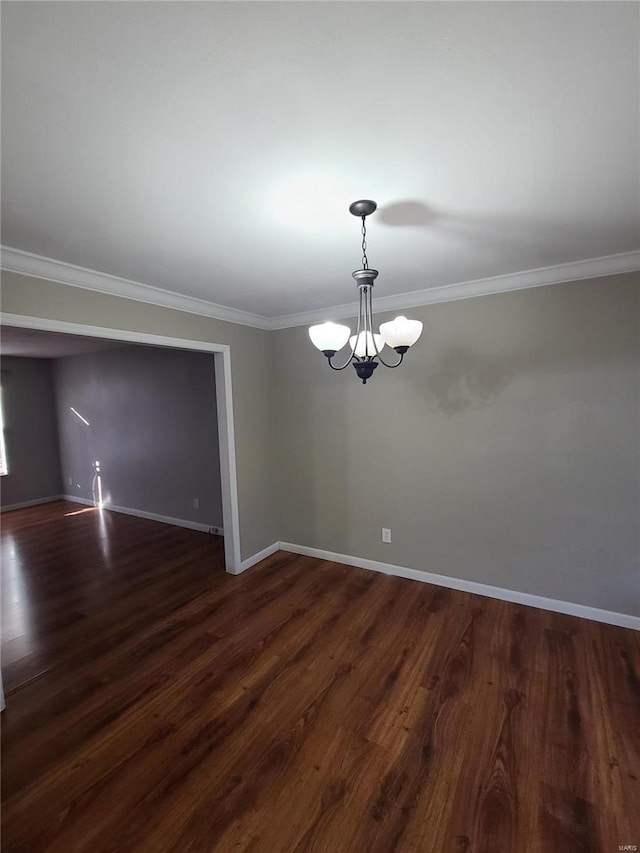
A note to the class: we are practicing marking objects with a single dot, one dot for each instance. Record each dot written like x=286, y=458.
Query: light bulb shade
x=365, y=344
x=401, y=332
x=329, y=337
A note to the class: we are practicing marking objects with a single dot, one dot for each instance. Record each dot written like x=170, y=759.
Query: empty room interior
x=320, y=426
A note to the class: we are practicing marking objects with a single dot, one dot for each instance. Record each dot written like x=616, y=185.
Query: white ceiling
x=212, y=149
x=33, y=343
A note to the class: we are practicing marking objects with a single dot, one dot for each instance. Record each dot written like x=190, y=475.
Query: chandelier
x=366, y=346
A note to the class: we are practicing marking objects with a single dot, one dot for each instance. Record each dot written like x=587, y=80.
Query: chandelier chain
x=365, y=260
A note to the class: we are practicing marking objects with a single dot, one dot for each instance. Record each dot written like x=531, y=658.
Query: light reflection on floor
x=105, y=546
x=19, y=632
x=64, y=566
x=105, y=543
x=17, y=623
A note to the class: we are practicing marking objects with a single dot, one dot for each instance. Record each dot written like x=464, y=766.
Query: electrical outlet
x=71, y=481
x=386, y=534
x=196, y=503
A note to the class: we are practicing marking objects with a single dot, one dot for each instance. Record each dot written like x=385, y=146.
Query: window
x=3, y=449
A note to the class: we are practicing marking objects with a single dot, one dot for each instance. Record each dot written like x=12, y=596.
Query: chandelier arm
x=365, y=298
x=397, y=364
x=373, y=337
x=342, y=366
x=355, y=343
x=369, y=313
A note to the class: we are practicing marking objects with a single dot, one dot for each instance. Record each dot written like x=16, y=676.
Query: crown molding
x=575, y=271
x=26, y=263
x=37, y=266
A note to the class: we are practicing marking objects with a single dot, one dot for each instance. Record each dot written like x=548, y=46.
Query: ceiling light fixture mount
x=398, y=334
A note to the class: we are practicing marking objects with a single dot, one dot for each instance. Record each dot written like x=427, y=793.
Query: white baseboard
x=152, y=516
x=38, y=501
x=256, y=558
x=571, y=609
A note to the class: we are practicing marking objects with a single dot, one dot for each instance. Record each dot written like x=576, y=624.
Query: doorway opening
x=223, y=416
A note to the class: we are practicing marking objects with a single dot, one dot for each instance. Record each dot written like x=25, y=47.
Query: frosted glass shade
x=329, y=337
x=401, y=332
x=365, y=344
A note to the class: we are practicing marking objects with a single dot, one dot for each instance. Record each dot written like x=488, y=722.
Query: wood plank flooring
x=156, y=703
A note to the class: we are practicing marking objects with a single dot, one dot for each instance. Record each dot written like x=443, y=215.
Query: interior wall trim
x=583, y=611
x=559, y=274
x=151, y=516
x=35, y=502
x=38, y=266
x=259, y=556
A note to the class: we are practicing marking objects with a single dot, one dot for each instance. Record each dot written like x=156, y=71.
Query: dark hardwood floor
x=155, y=703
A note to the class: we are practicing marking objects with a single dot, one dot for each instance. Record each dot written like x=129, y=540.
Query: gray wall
x=152, y=425
x=251, y=371
x=30, y=431
x=504, y=450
